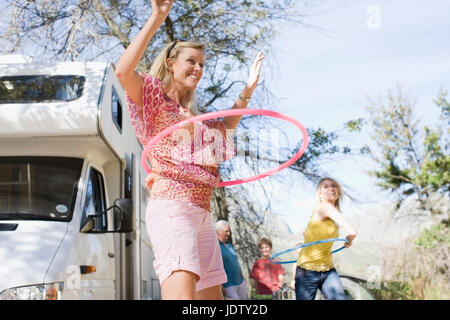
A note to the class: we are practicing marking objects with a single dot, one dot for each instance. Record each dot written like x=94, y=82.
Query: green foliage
x=394, y=290
x=438, y=234
x=402, y=290
x=365, y=150
x=355, y=125
x=444, y=105
x=321, y=144
x=411, y=159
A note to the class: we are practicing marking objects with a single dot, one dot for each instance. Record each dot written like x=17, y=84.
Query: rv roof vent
x=15, y=58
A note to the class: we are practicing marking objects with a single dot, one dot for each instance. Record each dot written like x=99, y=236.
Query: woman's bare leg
x=211, y=293
x=180, y=285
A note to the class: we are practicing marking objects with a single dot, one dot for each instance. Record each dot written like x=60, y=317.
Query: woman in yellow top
x=315, y=269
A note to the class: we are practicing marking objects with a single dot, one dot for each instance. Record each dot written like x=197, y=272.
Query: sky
x=324, y=78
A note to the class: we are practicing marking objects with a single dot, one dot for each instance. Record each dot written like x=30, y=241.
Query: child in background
x=268, y=277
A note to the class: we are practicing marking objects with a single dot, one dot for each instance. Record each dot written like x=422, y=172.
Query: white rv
x=72, y=195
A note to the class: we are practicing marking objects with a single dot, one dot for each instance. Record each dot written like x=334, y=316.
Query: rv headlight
x=45, y=291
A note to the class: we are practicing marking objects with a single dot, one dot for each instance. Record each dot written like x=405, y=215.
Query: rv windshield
x=38, y=188
x=38, y=88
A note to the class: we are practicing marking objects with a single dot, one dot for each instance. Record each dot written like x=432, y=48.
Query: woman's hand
x=161, y=8
x=253, y=77
x=350, y=241
x=232, y=121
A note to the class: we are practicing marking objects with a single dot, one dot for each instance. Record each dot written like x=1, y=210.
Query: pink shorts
x=184, y=238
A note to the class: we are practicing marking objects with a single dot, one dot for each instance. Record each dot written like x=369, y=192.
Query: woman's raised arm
x=125, y=67
x=244, y=97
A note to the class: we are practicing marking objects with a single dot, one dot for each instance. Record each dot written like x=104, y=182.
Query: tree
x=411, y=159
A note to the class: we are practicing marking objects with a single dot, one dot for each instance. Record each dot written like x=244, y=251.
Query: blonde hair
x=160, y=68
x=337, y=204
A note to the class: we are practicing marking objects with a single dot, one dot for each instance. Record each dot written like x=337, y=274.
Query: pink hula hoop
x=227, y=113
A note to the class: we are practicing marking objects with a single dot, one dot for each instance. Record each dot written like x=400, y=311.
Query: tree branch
x=115, y=29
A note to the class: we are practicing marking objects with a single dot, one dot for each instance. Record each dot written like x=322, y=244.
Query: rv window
x=38, y=188
x=29, y=89
x=116, y=108
x=95, y=201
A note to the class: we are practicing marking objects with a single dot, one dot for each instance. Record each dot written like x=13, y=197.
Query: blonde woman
x=315, y=268
x=187, y=254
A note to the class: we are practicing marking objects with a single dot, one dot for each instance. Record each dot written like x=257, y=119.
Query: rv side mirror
x=123, y=217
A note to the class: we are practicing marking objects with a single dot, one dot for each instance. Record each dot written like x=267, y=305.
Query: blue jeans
x=307, y=282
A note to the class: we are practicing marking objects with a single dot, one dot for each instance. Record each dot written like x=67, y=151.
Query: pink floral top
x=185, y=164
